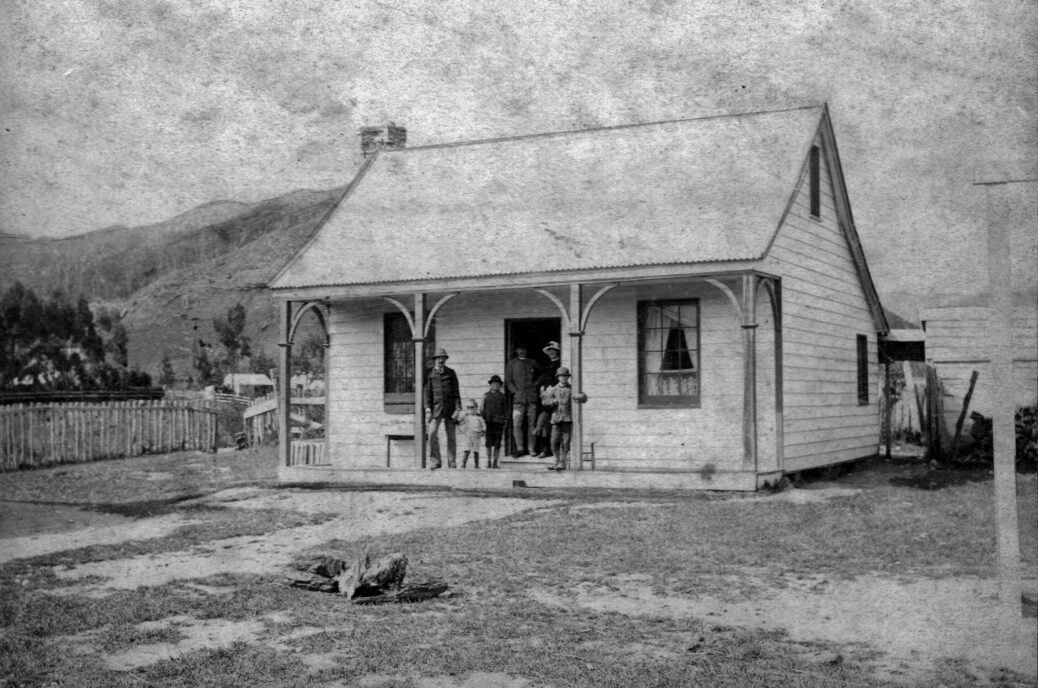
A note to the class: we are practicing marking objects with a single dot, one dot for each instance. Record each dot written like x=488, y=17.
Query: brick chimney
x=388, y=137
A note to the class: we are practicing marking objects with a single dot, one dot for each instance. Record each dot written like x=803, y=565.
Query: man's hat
x=562, y=371
x=495, y=378
x=441, y=353
x=552, y=345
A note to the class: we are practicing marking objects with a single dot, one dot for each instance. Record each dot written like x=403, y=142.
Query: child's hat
x=472, y=404
x=495, y=378
x=562, y=371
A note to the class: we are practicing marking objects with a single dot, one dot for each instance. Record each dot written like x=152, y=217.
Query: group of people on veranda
x=541, y=411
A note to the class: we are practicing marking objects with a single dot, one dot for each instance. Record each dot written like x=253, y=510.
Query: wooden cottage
x=703, y=276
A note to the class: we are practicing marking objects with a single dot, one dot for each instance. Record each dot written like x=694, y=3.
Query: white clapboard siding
x=957, y=343
x=824, y=311
x=471, y=327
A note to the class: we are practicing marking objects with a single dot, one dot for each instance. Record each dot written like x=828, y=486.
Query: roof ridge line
x=549, y=134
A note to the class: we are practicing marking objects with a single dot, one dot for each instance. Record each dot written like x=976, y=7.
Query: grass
x=683, y=543
x=133, y=480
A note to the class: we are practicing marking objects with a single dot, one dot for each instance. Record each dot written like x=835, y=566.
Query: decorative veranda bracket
x=746, y=306
x=581, y=325
x=415, y=334
x=407, y=315
x=320, y=309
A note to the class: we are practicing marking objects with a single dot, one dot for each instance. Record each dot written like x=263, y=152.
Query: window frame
x=863, y=369
x=646, y=400
x=401, y=402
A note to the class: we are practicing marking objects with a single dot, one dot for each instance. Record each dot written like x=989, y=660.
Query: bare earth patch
x=915, y=624
x=363, y=514
x=83, y=529
x=197, y=635
x=475, y=679
x=814, y=495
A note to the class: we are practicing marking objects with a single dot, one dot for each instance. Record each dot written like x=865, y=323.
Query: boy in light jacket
x=561, y=398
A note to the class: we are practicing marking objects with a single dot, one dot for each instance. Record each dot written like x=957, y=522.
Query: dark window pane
x=863, y=369
x=816, y=174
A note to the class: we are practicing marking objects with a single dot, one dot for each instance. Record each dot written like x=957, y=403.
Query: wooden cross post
x=1003, y=429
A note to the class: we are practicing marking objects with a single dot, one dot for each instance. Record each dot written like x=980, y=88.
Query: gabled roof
x=686, y=191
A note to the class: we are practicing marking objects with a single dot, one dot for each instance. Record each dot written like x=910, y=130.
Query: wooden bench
x=389, y=443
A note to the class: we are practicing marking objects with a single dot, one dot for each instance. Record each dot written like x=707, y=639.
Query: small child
x=472, y=430
x=495, y=413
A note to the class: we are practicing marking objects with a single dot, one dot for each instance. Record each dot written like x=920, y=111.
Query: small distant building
x=249, y=384
x=307, y=386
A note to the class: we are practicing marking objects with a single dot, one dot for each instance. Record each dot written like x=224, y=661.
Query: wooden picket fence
x=45, y=434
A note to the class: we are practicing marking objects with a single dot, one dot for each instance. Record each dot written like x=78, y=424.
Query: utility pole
x=999, y=197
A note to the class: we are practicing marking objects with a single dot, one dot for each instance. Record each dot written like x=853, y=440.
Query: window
x=668, y=353
x=816, y=189
x=398, y=362
x=863, y=370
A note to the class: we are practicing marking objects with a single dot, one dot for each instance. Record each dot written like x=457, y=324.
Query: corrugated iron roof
x=698, y=190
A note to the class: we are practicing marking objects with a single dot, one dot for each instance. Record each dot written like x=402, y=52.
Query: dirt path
x=902, y=629
x=916, y=624
x=364, y=514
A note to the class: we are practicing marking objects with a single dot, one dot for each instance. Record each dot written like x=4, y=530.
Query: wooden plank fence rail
x=307, y=453
x=46, y=434
x=262, y=421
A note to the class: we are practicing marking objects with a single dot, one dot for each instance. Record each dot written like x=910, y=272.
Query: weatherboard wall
x=958, y=342
x=471, y=327
x=824, y=311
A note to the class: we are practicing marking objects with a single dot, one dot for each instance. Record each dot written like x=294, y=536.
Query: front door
x=534, y=334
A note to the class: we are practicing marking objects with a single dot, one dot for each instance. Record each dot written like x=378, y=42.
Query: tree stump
x=365, y=580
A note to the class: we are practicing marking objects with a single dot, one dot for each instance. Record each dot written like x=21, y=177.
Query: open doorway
x=533, y=334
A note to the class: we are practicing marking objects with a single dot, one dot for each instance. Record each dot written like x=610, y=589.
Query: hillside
x=177, y=309
x=172, y=278
x=111, y=264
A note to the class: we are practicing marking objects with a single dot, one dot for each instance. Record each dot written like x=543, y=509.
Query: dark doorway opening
x=534, y=334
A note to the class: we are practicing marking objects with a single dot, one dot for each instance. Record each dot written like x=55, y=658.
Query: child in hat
x=495, y=414
x=561, y=398
x=473, y=428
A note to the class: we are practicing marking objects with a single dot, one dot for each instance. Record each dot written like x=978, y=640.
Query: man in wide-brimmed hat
x=442, y=401
x=552, y=351
x=521, y=377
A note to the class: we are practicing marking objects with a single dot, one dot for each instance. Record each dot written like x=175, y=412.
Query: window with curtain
x=668, y=353
x=398, y=362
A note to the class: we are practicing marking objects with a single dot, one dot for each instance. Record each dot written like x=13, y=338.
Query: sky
x=129, y=112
